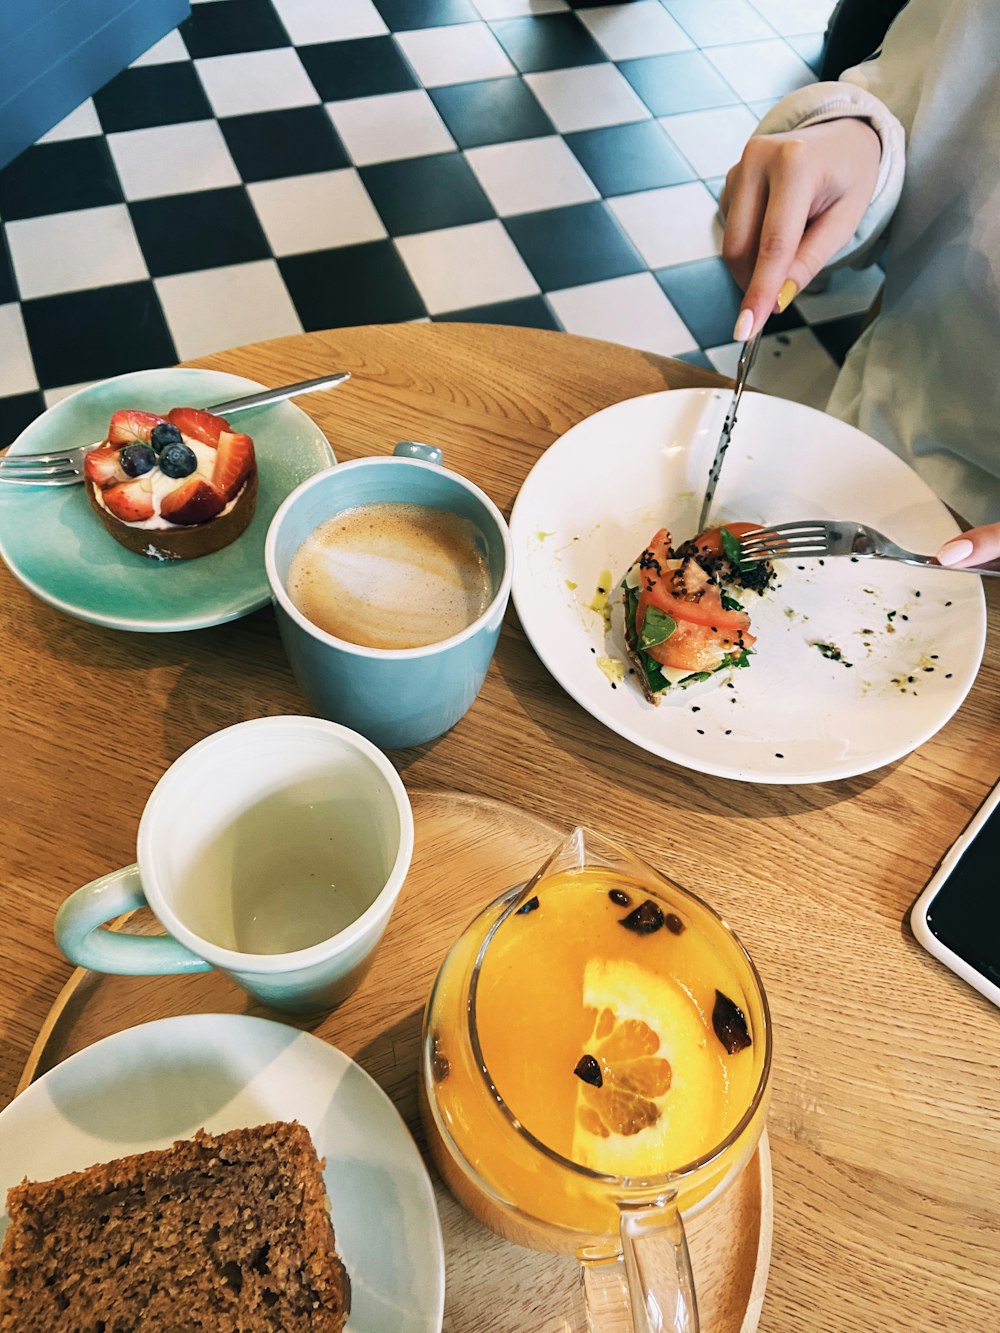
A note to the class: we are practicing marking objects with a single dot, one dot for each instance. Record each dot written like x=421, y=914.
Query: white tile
x=761, y=69
x=531, y=174
x=631, y=310
x=458, y=267
x=238, y=85
x=53, y=396
x=760, y=107
x=792, y=17
x=793, y=365
x=172, y=159
x=308, y=21
x=512, y=9
x=218, y=308
x=458, y=53
x=69, y=252
x=643, y=28
x=672, y=225
x=17, y=370
x=316, y=212
x=586, y=97
x=163, y=52
x=719, y=22
x=81, y=123
x=389, y=127
x=849, y=292
x=712, y=141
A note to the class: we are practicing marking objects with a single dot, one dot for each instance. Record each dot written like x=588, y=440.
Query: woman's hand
x=790, y=203
x=974, y=547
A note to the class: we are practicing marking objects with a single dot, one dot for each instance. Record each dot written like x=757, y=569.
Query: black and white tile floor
x=274, y=166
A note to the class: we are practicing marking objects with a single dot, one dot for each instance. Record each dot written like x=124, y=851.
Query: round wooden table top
x=886, y=1083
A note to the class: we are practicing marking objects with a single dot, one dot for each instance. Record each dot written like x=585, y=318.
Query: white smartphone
x=957, y=917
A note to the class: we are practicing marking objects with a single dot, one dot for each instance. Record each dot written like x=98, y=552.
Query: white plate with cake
x=855, y=664
x=147, y=1088
x=68, y=546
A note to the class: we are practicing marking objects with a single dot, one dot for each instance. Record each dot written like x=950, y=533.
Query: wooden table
x=886, y=1106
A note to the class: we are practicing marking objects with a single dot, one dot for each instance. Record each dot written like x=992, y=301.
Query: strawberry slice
x=131, y=501
x=102, y=467
x=127, y=426
x=204, y=427
x=232, y=463
x=195, y=500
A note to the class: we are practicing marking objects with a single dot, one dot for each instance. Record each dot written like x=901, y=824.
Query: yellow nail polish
x=786, y=295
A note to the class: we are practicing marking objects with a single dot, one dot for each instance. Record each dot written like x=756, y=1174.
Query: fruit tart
x=173, y=487
x=685, y=609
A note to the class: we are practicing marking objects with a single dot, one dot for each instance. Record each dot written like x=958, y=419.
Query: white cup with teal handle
x=273, y=851
x=396, y=696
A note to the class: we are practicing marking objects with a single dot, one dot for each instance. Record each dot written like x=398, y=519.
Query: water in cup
x=392, y=575
x=286, y=873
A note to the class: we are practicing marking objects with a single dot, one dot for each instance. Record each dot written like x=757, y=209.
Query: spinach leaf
x=656, y=627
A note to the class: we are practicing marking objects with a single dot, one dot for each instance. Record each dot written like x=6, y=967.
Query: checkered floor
x=274, y=166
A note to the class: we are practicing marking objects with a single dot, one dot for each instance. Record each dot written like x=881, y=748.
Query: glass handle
x=647, y=1286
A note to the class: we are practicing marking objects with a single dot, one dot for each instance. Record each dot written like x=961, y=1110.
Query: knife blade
x=747, y=357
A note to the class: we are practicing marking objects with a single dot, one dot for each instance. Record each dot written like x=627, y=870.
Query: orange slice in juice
x=662, y=1094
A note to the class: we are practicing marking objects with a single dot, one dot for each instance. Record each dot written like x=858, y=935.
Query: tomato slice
x=694, y=647
x=709, y=542
x=656, y=587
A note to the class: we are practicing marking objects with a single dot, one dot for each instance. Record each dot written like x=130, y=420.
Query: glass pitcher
x=596, y=1058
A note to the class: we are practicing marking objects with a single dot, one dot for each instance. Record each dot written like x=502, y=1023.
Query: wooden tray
x=467, y=851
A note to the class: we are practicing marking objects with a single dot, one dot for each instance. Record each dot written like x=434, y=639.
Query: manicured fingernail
x=786, y=295
x=954, y=552
x=743, y=326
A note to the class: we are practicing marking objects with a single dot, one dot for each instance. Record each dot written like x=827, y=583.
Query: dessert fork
x=815, y=538
x=64, y=467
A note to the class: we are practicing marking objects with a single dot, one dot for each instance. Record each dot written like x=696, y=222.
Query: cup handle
x=427, y=453
x=80, y=937
x=648, y=1287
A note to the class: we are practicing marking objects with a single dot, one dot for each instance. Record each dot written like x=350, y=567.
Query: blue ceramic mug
x=397, y=697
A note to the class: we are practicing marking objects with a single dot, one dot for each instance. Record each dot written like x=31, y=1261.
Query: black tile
x=226, y=27
x=426, y=193
x=271, y=144
x=682, y=81
x=361, y=68
x=492, y=111
x=565, y=247
x=622, y=158
x=17, y=411
x=529, y=312
x=838, y=336
x=125, y=330
x=354, y=284
x=205, y=229
x=401, y=15
x=550, y=41
x=706, y=297
x=8, y=285
x=59, y=178
x=137, y=99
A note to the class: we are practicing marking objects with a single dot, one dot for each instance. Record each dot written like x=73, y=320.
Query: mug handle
x=80, y=937
x=649, y=1282
x=426, y=453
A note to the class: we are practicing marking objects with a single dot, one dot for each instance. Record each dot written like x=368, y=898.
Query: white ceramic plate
x=161, y=1081
x=52, y=542
x=914, y=637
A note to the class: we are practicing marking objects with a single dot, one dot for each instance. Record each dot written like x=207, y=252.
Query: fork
x=814, y=538
x=64, y=467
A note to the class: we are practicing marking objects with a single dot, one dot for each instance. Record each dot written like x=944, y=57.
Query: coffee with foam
x=392, y=575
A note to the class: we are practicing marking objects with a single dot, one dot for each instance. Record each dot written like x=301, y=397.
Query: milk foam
x=392, y=575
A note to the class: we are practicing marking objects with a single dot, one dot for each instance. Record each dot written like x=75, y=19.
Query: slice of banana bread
x=220, y=1232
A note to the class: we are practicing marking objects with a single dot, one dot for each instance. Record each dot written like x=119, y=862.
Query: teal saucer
x=51, y=540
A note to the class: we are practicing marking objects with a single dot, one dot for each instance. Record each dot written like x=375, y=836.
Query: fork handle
x=266, y=396
x=990, y=570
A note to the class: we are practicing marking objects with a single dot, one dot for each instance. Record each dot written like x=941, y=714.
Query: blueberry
x=177, y=460
x=165, y=433
x=136, y=459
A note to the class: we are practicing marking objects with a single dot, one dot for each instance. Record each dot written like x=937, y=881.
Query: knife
x=747, y=357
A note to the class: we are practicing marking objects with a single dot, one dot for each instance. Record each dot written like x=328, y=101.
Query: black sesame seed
x=619, y=897
x=589, y=1070
x=673, y=923
x=527, y=907
x=644, y=919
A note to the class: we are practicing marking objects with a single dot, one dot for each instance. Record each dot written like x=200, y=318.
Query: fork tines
x=809, y=537
x=29, y=471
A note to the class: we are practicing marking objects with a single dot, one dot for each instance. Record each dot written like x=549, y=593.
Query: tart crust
x=181, y=542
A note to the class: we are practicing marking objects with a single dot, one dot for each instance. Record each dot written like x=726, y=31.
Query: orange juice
x=593, y=1042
